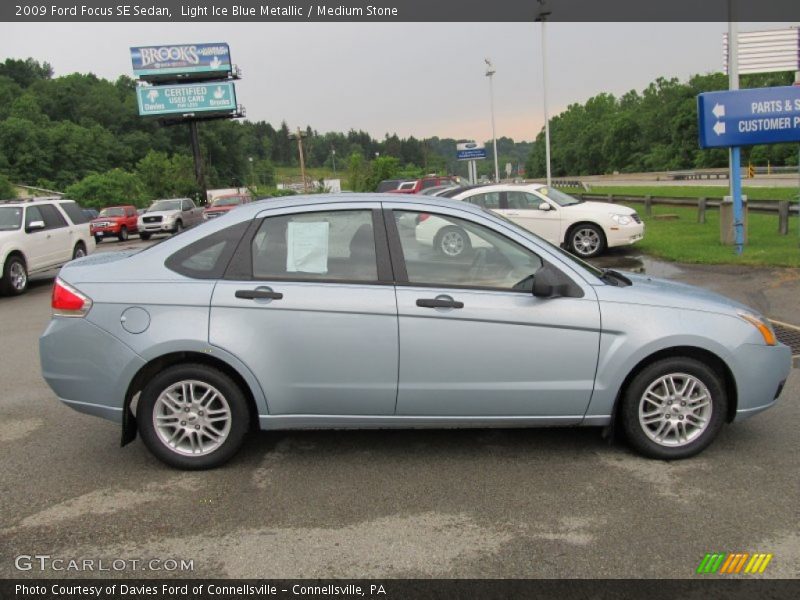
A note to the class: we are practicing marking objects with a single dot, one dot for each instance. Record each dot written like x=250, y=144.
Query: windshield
x=563, y=253
x=232, y=201
x=10, y=218
x=557, y=196
x=112, y=212
x=165, y=205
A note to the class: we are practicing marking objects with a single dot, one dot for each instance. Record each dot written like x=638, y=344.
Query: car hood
x=673, y=294
x=104, y=219
x=160, y=213
x=598, y=208
x=218, y=208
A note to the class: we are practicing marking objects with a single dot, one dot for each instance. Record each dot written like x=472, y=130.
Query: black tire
x=579, y=242
x=123, y=234
x=452, y=242
x=12, y=284
x=79, y=251
x=144, y=236
x=637, y=432
x=228, y=389
x=97, y=239
x=178, y=226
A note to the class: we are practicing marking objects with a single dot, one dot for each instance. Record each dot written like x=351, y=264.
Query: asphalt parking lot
x=473, y=503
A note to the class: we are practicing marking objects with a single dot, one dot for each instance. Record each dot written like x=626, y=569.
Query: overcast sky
x=420, y=79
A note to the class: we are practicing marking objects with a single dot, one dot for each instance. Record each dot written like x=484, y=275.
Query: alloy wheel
x=675, y=409
x=192, y=418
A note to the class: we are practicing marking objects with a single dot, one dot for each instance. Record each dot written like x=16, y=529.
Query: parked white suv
x=584, y=228
x=38, y=235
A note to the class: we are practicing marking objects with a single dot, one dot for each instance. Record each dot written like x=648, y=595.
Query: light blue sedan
x=327, y=312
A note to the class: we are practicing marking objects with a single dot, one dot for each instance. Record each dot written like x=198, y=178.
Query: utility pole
x=299, y=137
x=490, y=74
x=542, y=18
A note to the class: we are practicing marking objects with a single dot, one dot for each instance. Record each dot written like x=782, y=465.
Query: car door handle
x=258, y=294
x=439, y=303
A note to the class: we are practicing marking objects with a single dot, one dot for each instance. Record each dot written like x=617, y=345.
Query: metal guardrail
x=762, y=206
x=782, y=208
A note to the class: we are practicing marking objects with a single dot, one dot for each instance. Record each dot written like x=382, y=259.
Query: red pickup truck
x=114, y=221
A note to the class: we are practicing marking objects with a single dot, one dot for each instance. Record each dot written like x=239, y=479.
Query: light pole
x=299, y=137
x=252, y=172
x=490, y=74
x=333, y=159
x=542, y=18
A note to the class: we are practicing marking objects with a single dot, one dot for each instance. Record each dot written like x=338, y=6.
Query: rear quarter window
x=74, y=212
x=208, y=257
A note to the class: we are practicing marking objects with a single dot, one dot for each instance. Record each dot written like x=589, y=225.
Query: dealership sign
x=748, y=117
x=470, y=151
x=200, y=60
x=217, y=97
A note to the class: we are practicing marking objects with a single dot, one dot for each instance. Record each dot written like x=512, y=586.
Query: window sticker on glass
x=307, y=250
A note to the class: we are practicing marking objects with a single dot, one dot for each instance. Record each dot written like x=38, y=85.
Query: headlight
x=763, y=325
x=621, y=219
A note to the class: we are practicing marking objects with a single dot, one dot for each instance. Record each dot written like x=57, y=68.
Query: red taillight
x=422, y=217
x=69, y=302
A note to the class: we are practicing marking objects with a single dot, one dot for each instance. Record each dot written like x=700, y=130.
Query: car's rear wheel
x=79, y=251
x=587, y=240
x=144, y=236
x=123, y=234
x=15, y=276
x=674, y=408
x=452, y=242
x=193, y=417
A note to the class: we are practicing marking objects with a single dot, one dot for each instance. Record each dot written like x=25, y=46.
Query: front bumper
x=87, y=368
x=157, y=227
x=760, y=372
x=624, y=235
x=110, y=230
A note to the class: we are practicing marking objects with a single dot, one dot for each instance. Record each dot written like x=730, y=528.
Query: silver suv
x=38, y=235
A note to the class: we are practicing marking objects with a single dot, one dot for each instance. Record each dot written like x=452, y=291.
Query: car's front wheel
x=15, y=276
x=178, y=227
x=123, y=234
x=193, y=417
x=144, y=236
x=674, y=408
x=587, y=240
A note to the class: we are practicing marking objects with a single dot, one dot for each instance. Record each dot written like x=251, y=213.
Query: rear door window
x=330, y=246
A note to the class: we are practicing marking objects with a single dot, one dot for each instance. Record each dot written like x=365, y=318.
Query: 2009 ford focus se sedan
x=326, y=312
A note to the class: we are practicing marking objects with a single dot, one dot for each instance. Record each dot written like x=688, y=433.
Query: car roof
x=33, y=201
x=504, y=187
x=257, y=206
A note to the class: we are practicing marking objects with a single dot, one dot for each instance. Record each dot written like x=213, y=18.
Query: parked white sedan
x=585, y=228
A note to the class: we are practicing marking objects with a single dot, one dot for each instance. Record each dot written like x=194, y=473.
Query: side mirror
x=549, y=282
x=545, y=206
x=34, y=225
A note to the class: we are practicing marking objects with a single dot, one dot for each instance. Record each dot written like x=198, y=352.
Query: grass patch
x=691, y=191
x=685, y=240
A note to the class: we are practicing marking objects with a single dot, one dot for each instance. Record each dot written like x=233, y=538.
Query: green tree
x=7, y=190
x=107, y=189
x=166, y=177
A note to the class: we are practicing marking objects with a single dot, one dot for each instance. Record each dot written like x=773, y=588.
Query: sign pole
x=735, y=152
x=198, y=161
